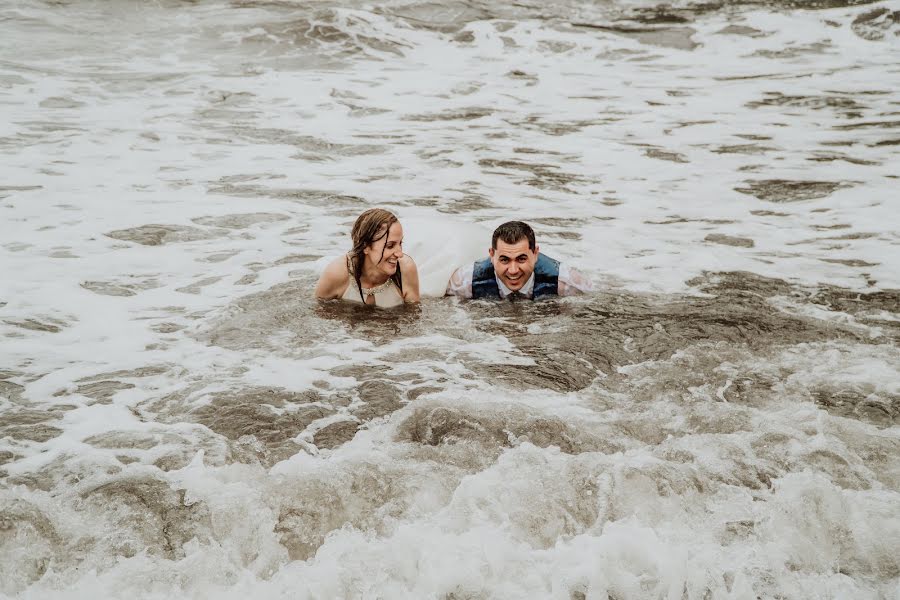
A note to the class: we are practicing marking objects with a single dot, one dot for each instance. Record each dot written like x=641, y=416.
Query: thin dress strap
x=366, y=292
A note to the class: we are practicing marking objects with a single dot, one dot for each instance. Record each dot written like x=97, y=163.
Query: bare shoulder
x=334, y=279
x=407, y=265
x=410, y=274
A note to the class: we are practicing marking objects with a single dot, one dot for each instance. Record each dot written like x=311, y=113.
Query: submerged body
x=376, y=271
x=480, y=281
x=516, y=268
x=385, y=295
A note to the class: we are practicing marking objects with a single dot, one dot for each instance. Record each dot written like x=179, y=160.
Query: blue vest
x=546, y=278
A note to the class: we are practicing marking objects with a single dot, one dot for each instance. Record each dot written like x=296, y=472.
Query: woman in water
x=375, y=271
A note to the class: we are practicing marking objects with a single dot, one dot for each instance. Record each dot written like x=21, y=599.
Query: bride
x=375, y=271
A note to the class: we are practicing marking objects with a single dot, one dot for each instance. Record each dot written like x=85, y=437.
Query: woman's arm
x=410, y=275
x=334, y=280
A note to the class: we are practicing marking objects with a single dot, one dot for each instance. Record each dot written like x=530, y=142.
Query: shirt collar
x=527, y=290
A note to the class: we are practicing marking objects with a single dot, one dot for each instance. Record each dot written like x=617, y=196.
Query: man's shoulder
x=482, y=268
x=547, y=262
x=465, y=269
x=569, y=280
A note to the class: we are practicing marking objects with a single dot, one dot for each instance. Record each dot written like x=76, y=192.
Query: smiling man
x=516, y=268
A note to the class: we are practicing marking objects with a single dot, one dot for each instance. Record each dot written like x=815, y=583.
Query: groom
x=515, y=268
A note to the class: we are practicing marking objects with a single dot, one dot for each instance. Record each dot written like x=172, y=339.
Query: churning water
x=178, y=418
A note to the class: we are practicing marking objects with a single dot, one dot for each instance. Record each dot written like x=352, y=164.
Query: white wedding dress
x=440, y=247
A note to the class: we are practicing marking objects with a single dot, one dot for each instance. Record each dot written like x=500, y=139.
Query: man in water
x=515, y=268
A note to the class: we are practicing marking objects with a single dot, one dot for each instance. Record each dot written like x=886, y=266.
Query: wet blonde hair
x=371, y=226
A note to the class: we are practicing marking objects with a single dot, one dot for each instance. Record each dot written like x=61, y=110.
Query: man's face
x=514, y=263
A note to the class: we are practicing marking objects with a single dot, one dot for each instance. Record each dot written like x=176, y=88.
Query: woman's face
x=384, y=254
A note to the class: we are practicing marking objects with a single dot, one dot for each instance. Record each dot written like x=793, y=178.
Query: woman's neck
x=371, y=276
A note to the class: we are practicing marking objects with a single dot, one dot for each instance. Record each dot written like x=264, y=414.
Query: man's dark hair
x=512, y=232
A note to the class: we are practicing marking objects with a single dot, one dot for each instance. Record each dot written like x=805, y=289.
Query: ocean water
x=180, y=419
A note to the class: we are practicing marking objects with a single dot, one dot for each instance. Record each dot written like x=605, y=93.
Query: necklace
x=378, y=288
x=369, y=291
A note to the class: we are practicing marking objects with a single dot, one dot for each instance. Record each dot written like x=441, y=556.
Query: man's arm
x=460, y=283
x=573, y=282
